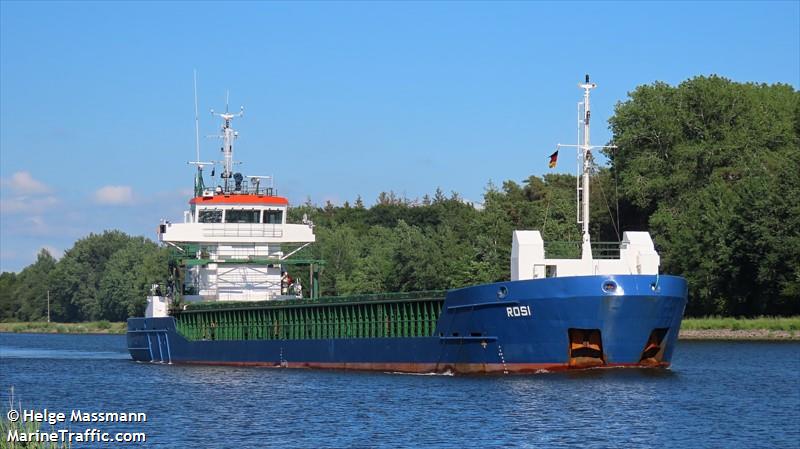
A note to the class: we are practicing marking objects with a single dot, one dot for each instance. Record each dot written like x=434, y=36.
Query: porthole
x=502, y=292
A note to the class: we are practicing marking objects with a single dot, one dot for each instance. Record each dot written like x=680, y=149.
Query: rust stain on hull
x=585, y=348
x=653, y=352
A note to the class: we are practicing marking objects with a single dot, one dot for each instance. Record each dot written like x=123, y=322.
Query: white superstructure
x=637, y=254
x=237, y=242
x=234, y=242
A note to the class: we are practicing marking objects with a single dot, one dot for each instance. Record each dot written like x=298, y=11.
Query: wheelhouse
x=239, y=209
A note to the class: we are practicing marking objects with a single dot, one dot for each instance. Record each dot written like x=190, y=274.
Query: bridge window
x=241, y=216
x=273, y=216
x=210, y=216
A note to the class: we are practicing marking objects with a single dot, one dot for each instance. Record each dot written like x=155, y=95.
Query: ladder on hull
x=158, y=352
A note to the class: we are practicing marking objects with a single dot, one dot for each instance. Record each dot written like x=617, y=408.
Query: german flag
x=553, y=159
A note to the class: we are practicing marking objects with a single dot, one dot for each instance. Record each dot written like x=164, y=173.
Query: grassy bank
x=722, y=328
x=761, y=323
x=90, y=327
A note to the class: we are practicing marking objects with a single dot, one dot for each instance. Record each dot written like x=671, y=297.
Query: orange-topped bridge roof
x=250, y=199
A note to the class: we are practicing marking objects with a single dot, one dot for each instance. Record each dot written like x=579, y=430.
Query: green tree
x=127, y=278
x=32, y=287
x=76, y=278
x=9, y=302
x=713, y=166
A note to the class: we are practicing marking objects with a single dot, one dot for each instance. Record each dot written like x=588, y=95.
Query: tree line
x=710, y=167
x=102, y=277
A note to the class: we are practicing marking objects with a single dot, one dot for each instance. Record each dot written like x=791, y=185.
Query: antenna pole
x=586, y=151
x=48, y=306
x=196, y=122
x=578, y=166
x=228, y=135
x=584, y=165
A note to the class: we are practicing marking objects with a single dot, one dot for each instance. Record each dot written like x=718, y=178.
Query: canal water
x=717, y=395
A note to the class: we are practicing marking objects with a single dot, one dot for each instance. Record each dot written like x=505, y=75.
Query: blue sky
x=341, y=99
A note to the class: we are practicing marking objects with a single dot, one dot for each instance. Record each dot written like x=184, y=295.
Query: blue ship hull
x=506, y=327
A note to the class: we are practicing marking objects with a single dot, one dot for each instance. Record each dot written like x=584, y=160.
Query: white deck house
x=226, y=229
x=637, y=255
x=234, y=239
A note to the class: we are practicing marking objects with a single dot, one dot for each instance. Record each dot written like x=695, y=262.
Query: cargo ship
x=229, y=300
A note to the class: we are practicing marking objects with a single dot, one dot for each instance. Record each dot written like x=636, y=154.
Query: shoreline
x=720, y=333
x=40, y=327
x=739, y=335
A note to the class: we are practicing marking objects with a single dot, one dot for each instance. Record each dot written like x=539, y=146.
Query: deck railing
x=248, y=187
x=372, y=297
x=572, y=250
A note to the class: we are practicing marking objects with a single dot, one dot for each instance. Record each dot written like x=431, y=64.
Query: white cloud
x=27, y=204
x=22, y=182
x=36, y=225
x=29, y=195
x=114, y=195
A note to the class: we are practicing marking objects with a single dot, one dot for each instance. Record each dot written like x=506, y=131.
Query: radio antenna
x=196, y=121
x=199, y=186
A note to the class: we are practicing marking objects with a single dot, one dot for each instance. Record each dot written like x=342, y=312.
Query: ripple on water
x=12, y=352
x=716, y=395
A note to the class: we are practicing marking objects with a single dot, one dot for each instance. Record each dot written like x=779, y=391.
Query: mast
x=196, y=125
x=586, y=153
x=584, y=166
x=228, y=135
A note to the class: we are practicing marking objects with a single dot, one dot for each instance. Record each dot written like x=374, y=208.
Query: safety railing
x=246, y=187
x=572, y=250
x=375, y=297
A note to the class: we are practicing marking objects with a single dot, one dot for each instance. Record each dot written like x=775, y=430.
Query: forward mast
x=636, y=251
x=584, y=150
